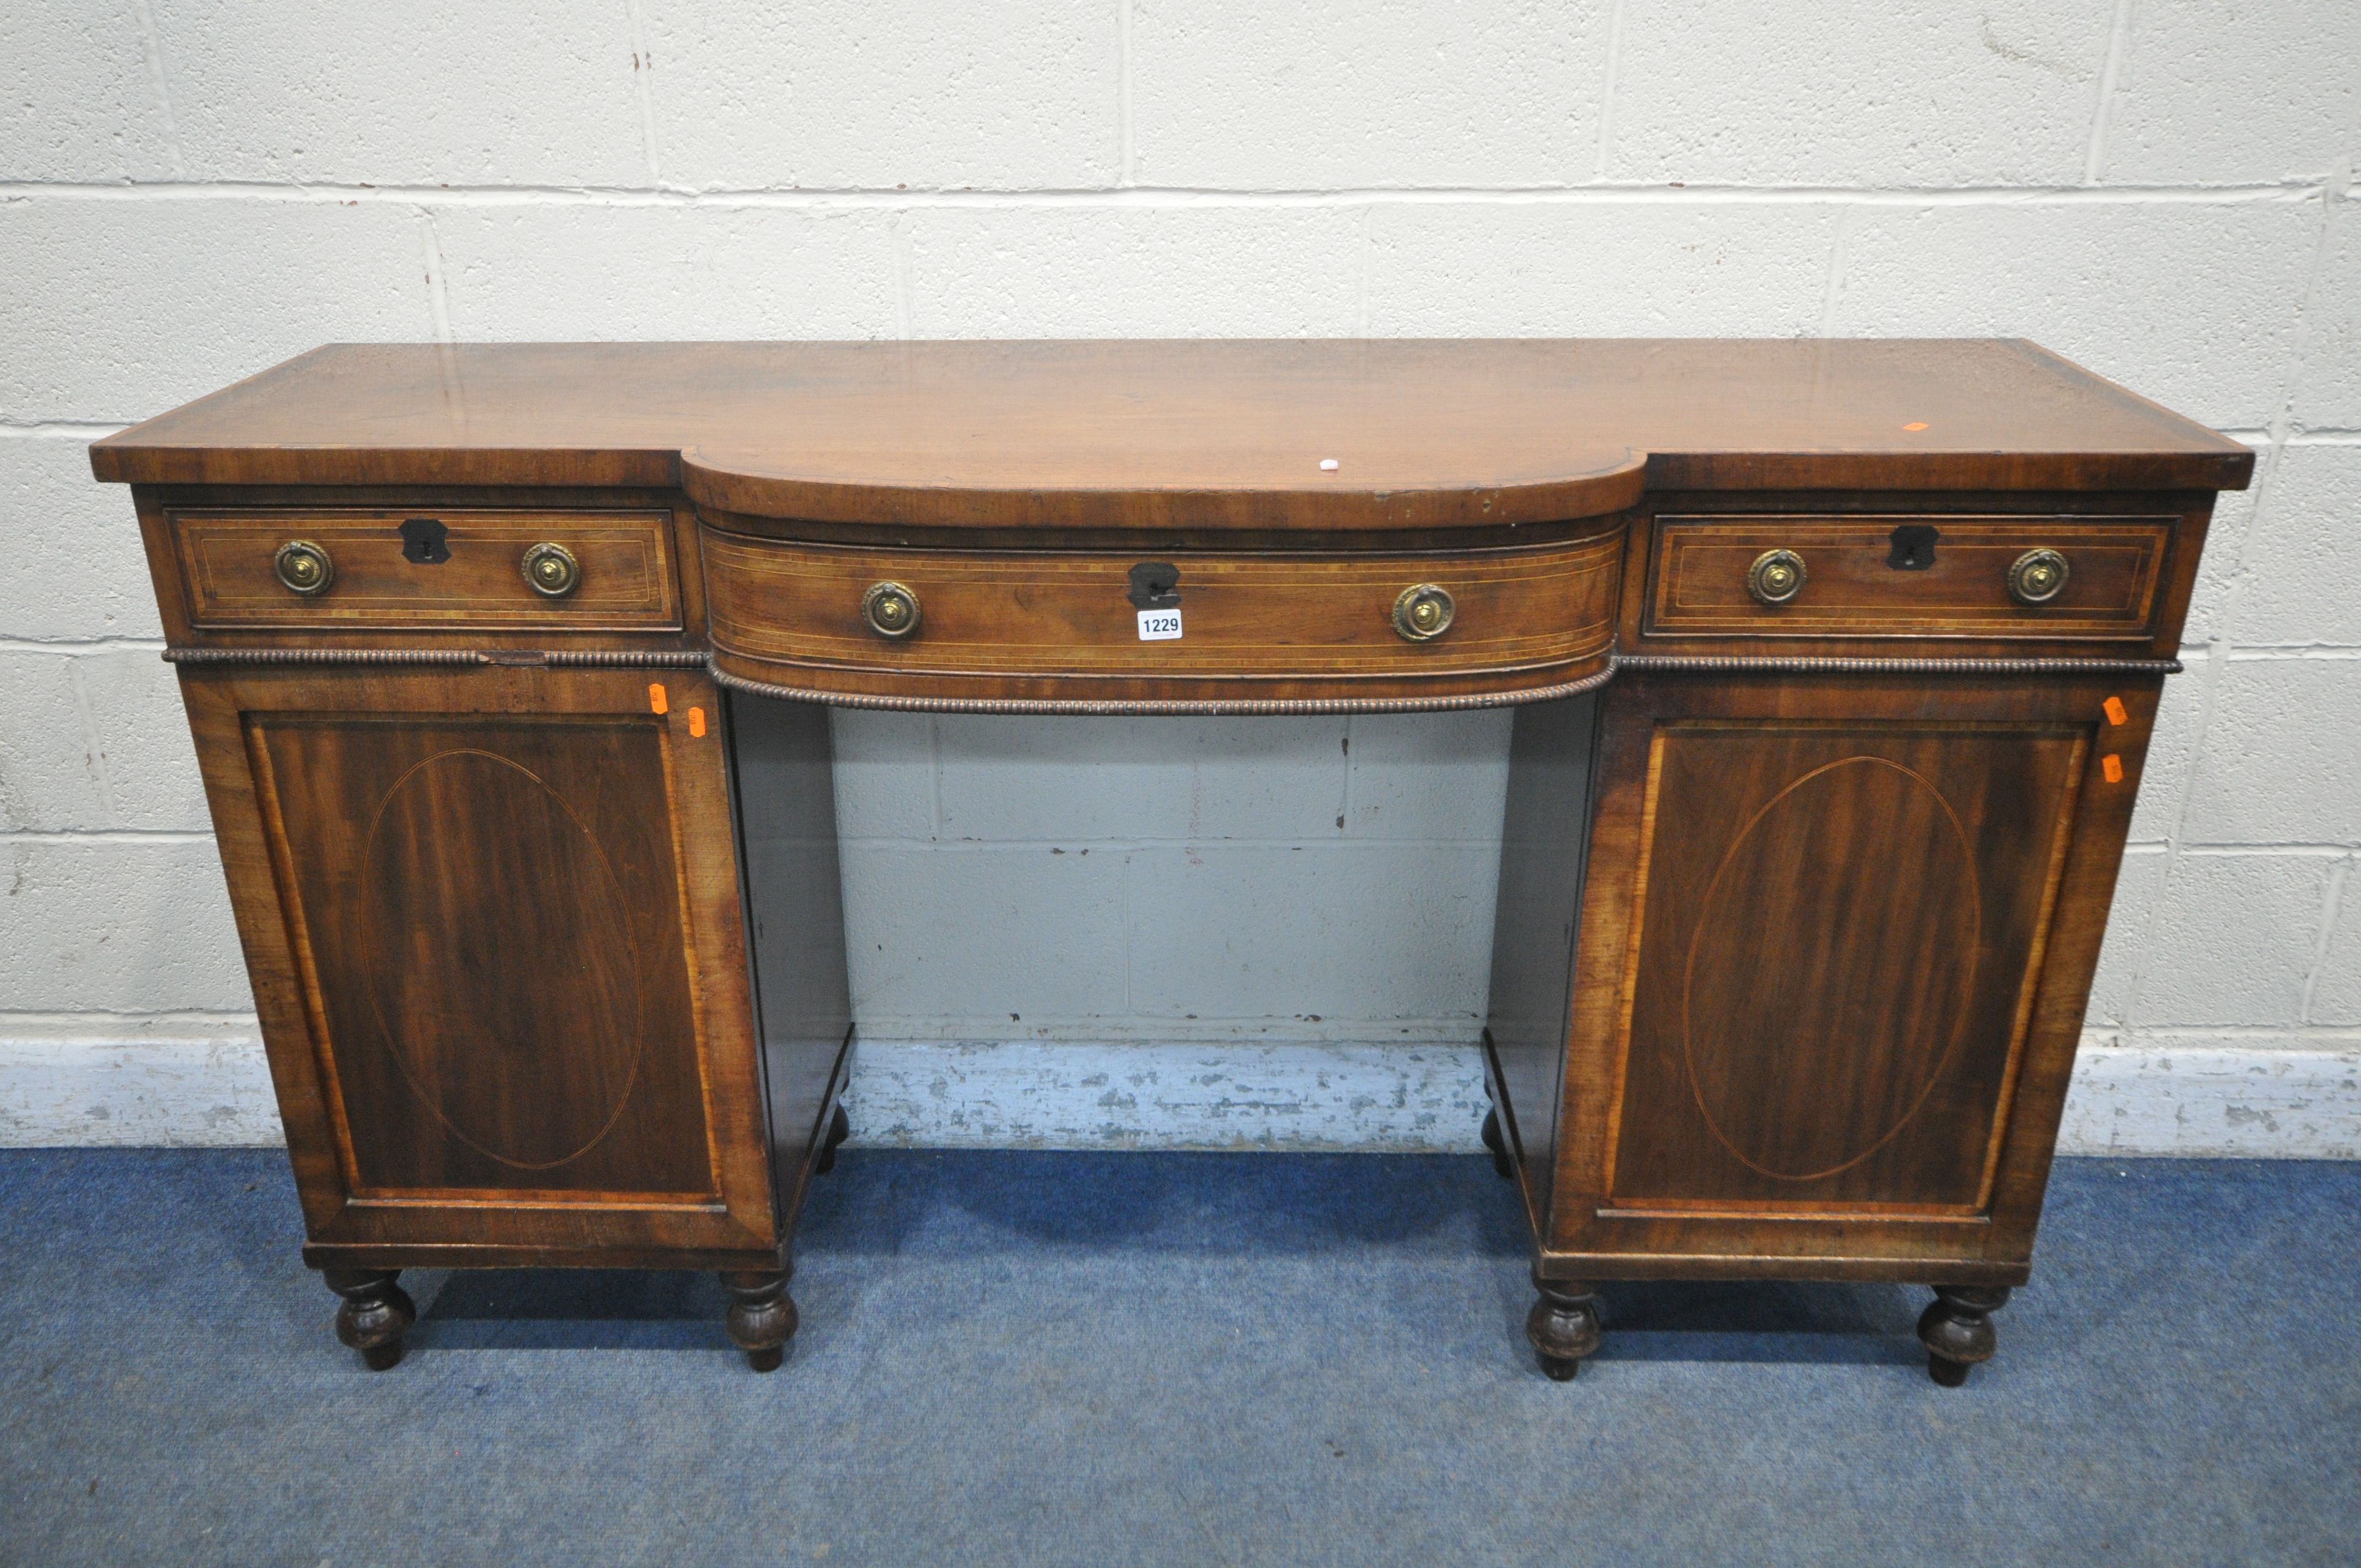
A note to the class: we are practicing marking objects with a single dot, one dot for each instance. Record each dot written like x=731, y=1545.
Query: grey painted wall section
x=2162, y=190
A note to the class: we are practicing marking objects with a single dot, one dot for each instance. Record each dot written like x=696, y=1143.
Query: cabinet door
x=493, y=921
x=1837, y=975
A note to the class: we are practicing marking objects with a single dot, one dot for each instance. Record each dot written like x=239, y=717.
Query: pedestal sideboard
x=1835, y=666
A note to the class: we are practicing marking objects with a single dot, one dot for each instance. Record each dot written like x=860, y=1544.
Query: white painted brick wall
x=1255, y=933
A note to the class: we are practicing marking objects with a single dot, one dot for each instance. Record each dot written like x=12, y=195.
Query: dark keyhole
x=1154, y=584
x=422, y=542
x=1914, y=547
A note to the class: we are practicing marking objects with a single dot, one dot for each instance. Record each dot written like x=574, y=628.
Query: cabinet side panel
x=786, y=813
x=1545, y=835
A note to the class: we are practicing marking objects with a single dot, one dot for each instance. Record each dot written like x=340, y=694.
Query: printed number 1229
x=1159, y=625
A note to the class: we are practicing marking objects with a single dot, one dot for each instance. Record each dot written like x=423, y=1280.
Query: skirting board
x=2194, y=1095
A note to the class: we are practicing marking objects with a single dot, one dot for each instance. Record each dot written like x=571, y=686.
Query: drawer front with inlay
x=1933, y=575
x=1226, y=615
x=424, y=569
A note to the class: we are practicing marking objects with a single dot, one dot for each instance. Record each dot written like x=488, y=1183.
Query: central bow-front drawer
x=1182, y=623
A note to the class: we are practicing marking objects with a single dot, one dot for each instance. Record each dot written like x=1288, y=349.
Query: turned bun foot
x=1563, y=1326
x=1501, y=1163
x=374, y=1315
x=1957, y=1330
x=839, y=1127
x=762, y=1316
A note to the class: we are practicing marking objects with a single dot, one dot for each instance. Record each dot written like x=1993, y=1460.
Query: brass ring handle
x=1422, y=612
x=891, y=609
x=303, y=567
x=552, y=570
x=2037, y=577
x=1776, y=577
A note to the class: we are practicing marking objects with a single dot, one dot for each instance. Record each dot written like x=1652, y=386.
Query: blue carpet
x=1097, y=1359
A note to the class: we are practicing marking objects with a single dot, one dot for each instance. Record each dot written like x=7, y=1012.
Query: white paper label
x=1159, y=625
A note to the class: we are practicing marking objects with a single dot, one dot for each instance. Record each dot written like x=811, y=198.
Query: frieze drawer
x=427, y=568
x=1076, y=616
x=1929, y=576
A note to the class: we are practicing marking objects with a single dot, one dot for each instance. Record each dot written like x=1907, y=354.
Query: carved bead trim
x=576, y=658
x=1739, y=665
x=1215, y=706
x=677, y=659
x=668, y=659
x=321, y=656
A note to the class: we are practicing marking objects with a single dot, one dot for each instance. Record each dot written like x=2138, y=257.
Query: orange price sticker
x=696, y=721
x=657, y=702
x=1918, y=424
x=2112, y=766
x=2115, y=714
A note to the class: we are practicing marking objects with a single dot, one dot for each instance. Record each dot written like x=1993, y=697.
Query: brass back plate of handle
x=890, y=609
x=552, y=570
x=303, y=567
x=2037, y=577
x=1422, y=612
x=1776, y=577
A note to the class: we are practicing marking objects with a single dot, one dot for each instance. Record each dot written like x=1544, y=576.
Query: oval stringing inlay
x=502, y=972
x=1806, y=879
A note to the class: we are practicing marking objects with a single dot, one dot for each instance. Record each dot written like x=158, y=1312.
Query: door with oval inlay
x=1840, y=929
x=494, y=914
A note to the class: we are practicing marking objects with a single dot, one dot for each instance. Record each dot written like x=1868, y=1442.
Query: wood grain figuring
x=1835, y=942
x=492, y=916
x=1698, y=587
x=1156, y=435
x=628, y=582
x=492, y=913
x=797, y=607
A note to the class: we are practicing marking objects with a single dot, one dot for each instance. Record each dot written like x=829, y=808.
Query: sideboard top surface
x=1207, y=432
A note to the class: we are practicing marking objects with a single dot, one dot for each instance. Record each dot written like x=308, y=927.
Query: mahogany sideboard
x=1834, y=666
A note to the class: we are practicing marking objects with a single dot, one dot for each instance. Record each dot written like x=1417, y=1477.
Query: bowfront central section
x=1155, y=623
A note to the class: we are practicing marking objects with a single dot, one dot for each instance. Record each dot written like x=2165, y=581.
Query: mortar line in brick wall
x=55, y=429
x=151, y=50
x=1365, y=267
x=2315, y=1037
x=2258, y=653
x=1209, y=1029
x=1840, y=260
x=1079, y=845
x=1611, y=69
x=2103, y=103
x=1126, y=166
x=103, y=836
x=2323, y=435
x=1345, y=807
x=184, y=1017
x=2332, y=903
x=2220, y=851
x=643, y=69
x=93, y=749
x=438, y=298
x=332, y=195
x=904, y=259
x=72, y=646
x=2300, y=344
